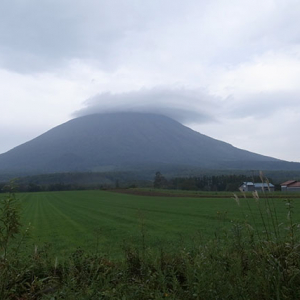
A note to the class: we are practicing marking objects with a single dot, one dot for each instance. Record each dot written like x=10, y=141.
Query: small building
x=256, y=186
x=290, y=186
x=247, y=187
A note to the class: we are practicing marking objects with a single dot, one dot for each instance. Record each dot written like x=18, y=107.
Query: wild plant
x=9, y=221
x=276, y=248
x=9, y=228
x=143, y=229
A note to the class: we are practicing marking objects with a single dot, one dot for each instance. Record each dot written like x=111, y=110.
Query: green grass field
x=188, y=247
x=104, y=221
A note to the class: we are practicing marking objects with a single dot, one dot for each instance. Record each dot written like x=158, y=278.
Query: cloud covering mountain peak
x=183, y=105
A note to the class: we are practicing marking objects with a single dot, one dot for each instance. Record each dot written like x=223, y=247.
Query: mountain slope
x=123, y=140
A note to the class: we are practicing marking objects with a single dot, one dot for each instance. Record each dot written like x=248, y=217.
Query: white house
x=257, y=186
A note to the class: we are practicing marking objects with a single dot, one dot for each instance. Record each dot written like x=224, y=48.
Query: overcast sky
x=228, y=69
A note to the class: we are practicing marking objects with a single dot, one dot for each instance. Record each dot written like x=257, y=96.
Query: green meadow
x=175, y=245
x=104, y=221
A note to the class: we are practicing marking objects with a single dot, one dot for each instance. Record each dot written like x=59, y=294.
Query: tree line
x=198, y=183
x=203, y=183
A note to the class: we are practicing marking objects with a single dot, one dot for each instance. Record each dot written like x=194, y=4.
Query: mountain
x=115, y=141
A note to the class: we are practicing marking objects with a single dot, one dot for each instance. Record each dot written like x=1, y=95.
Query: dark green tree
x=160, y=181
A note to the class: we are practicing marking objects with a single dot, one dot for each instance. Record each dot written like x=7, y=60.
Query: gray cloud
x=41, y=35
x=180, y=104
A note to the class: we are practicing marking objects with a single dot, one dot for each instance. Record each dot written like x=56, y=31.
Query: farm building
x=256, y=186
x=290, y=186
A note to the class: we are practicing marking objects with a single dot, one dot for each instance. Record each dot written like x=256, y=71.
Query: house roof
x=288, y=182
x=260, y=185
x=295, y=184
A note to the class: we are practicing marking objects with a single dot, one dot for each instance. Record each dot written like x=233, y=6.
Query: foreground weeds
x=213, y=271
x=241, y=263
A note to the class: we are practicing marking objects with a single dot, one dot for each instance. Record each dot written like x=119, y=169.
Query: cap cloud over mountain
x=126, y=140
x=160, y=100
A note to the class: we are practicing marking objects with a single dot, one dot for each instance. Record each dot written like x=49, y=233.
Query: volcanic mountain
x=124, y=140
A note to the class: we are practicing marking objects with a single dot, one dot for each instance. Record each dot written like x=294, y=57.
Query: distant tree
x=117, y=185
x=58, y=187
x=2, y=185
x=32, y=187
x=232, y=187
x=160, y=181
x=210, y=183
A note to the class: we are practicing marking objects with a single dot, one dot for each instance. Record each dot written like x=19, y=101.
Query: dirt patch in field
x=174, y=194
x=165, y=194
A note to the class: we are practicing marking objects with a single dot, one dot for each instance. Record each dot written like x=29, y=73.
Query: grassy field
x=149, y=247
x=103, y=221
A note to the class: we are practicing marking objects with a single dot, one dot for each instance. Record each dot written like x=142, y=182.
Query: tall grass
x=245, y=262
